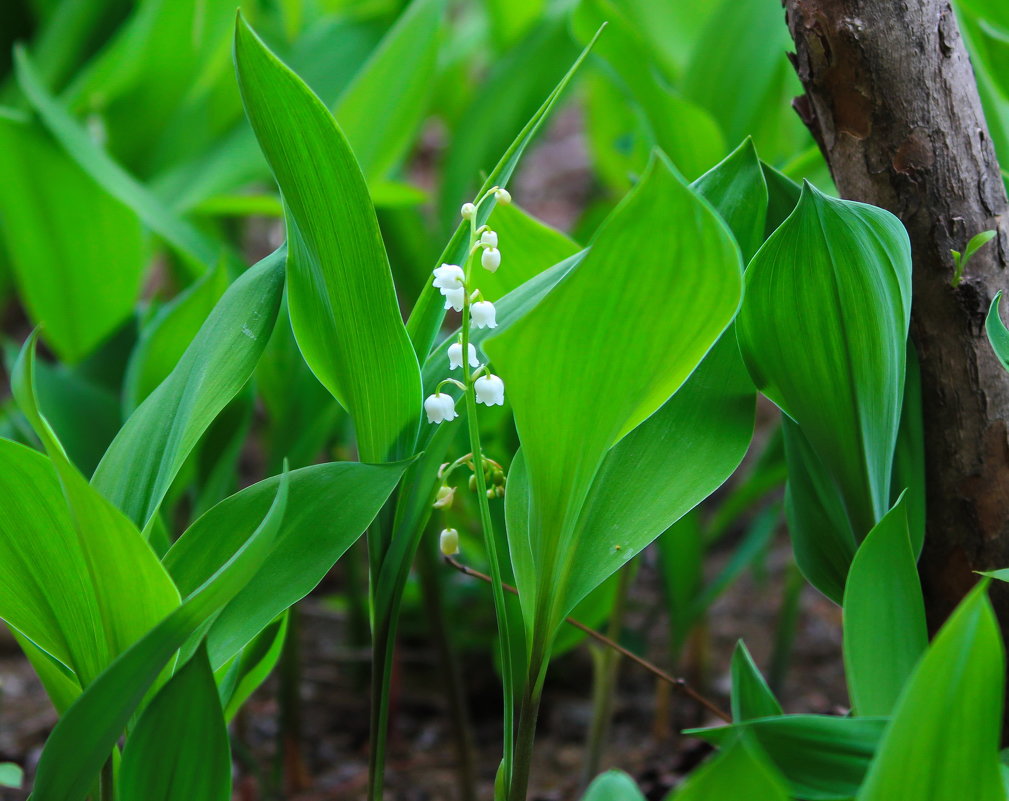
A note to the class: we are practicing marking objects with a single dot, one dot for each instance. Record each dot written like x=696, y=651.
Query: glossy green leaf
x=119, y=584
x=77, y=275
x=85, y=736
x=884, y=616
x=998, y=335
x=340, y=293
x=741, y=771
x=330, y=507
x=614, y=785
x=823, y=334
x=751, y=697
x=151, y=447
x=822, y=758
x=943, y=740
x=610, y=343
x=179, y=749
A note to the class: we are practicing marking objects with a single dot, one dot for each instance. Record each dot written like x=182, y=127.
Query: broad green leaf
x=60, y=684
x=610, y=344
x=823, y=334
x=740, y=772
x=998, y=335
x=330, y=507
x=86, y=735
x=198, y=250
x=381, y=109
x=818, y=524
x=341, y=297
x=943, y=740
x=179, y=749
x=884, y=616
x=909, y=458
x=751, y=697
x=614, y=785
x=429, y=312
x=78, y=275
x=165, y=338
x=822, y=758
x=782, y=195
x=126, y=590
x=151, y=447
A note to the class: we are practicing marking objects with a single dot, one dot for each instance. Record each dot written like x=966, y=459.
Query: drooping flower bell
x=444, y=498
x=483, y=314
x=490, y=259
x=449, y=277
x=455, y=356
x=489, y=390
x=449, y=542
x=489, y=239
x=503, y=196
x=454, y=298
x=440, y=408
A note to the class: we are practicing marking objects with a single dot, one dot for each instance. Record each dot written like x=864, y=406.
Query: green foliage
x=614, y=785
x=741, y=771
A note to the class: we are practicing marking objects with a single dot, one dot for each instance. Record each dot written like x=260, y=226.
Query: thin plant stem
x=107, y=782
x=293, y=771
x=487, y=524
x=679, y=684
x=382, y=652
x=606, y=665
x=528, y=716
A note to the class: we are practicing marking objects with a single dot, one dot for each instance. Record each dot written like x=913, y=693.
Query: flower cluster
x=452, y=281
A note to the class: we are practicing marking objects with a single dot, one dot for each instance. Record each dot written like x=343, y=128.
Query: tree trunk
x=891, y=99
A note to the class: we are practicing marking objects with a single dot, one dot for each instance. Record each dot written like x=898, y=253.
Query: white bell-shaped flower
x=489, y=239
x=454, y=298
x=491, y=259
x=440, y=407
x=455, y=356
x=503, y=196
x=444, y=498
x=483, y=313
x=468, y=211
x=489, y=390
x=449, y=542
x=449, y=276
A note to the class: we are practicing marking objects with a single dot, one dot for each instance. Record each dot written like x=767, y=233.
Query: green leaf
x=11, y=775
x=117, y=581
x=614, y=785
x=737, y=189
x=152, y=446
x=998, y=335
x=249, y=669
x=884, y=616
x=909, y=459
x=429, y=312
x=330, y=507
x=822, y=758
x=610, y=344
x=340, y=293
x=943, y=740
x=751, y=697
x=823, y=334
x=741, y=771
x=86, y=735
x=78, y=275
x=179, y=749
x=782, y=195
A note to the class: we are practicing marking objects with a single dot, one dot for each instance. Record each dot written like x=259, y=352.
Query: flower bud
x=489, y=390
x=483, y=314
x=489, y=239
x=491, y=259
x=455, y=356
x=468, y=211
x=503, y=196
x=440, y=407
x=444, y=498
x=449, y=542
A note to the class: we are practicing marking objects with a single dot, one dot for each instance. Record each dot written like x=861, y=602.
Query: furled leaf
x=943, y=740
x=823, y=334
x=751, y=697
x=340, y=293
x=737, y=189
x=603, y=351
x=85, y=736
x=179, y=749
x=741, y=771
x=884, y=616
x=151, y=447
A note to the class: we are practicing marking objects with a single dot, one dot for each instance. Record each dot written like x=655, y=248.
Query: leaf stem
x=107, y=782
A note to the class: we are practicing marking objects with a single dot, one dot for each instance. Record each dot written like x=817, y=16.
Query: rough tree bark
x=891, y=99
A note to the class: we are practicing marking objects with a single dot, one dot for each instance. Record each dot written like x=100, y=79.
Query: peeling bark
x=891, y=99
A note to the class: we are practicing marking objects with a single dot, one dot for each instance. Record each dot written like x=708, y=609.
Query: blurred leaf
x=11, y=775
x=585, y=356
x=330, y=507
x=614, y=785
x=146, y=455
x=751, y=697
x=77, y=274
x=681, y=561
x=884, y=616
x=179, y=749
x=943, y=740
x=822, y=758
x=86, y=735
x=823, y=334
x=341, y=297
x=739, y=772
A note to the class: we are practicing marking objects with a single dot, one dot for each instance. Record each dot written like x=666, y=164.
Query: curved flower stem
x=488, y=531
